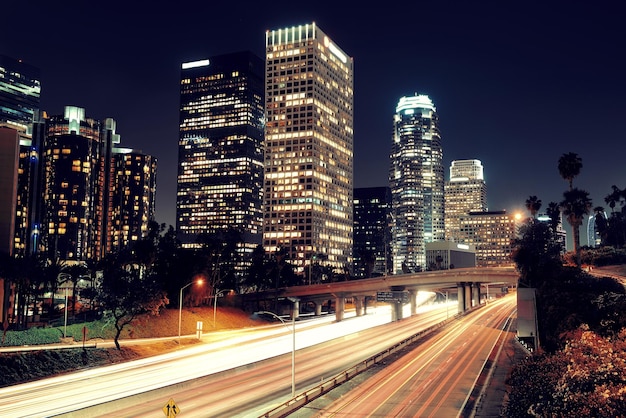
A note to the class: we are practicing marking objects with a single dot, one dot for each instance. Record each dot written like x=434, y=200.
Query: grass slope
x=24, y=367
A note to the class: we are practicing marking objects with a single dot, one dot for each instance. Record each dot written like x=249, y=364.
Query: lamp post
x=180, y=305
x=218, y=293
x=293, y=349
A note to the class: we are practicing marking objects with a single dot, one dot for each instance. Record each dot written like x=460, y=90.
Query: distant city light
x=195, y=64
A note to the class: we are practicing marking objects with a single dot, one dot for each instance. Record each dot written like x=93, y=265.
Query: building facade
x=132, y=197
x=308, y=194
x=20, y=89
x=416, y=179
x=98, y=197
x=372, y=232
x=220, y=149
x=492, y=233
x=445, y=255
x=465, y=192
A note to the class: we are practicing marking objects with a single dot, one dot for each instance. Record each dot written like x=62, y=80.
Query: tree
x=554, y=213
x=75, y=273
x=575, y=205
x=533, y=204
x=601, y=224
x=537, y=253
x=124, y=293
x=570, y=165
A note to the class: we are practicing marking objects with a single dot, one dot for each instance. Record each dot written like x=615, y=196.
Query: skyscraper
x=416, y=180
x=20, y=89
x=220, y=148
x=308, y=147
x=465, y=192
x=77, y=154
x=372, y=231
x=132, y=190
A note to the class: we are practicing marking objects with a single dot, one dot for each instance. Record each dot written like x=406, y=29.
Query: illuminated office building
x=132, y=190
x=492, y=234
x=75, y=159
x=308, y=148
x=20, y=90
x=220, y=149
x=372, y=232
x=465, y=192
x=416, y=180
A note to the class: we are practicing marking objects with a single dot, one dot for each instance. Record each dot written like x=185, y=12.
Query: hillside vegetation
x=32, y=365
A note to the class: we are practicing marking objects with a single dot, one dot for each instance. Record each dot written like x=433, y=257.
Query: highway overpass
x=399, y=289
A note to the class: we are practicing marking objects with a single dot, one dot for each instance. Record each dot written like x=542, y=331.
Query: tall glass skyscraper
x=308, y=147
x=76, y=158
x=372, y=232
x=465, y=192
x=416, y=180
x=20, y=89
x=220, y=148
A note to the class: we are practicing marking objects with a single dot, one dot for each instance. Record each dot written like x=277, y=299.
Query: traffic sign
x=171, y=409
x=393, y=296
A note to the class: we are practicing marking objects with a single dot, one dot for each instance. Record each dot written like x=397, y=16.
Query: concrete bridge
x=400, y=289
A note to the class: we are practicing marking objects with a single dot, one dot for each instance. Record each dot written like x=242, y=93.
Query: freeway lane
x=77, y=394
x=436, y=378
x=252, y=391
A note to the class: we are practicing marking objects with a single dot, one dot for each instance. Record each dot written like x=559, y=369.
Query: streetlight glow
x=180, y=305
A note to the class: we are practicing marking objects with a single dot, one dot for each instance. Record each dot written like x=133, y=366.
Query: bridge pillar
x=318, y=309
x=340, y=307
x=413, y=300
x=358, y=305
x=475, y=294
x=464, y=296
x=396, y=310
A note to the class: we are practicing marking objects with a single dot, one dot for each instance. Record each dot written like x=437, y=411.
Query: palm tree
x=614, y=197
x=569, y=167
x=554, y=213
x=533, y=204
x=575, y=205
x=601, y=223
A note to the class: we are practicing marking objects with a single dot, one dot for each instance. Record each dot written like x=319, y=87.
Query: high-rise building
x=372, y=232
x=308, y=147
x=98, y=197
x=465, y=192
x=220, y=149
x=416, y=179
x=9, y=160
x=132, y=201
x=20, y=89
x=76, y=165
x=492, y=233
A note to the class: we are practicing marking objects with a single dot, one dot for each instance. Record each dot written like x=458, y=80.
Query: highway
x=240, y=376
x=436, y=378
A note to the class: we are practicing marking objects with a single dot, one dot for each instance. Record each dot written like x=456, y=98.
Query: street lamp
x=293, y=349
x=180, y=305
x=218, y=293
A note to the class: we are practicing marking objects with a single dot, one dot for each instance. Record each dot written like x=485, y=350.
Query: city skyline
x=515, y=87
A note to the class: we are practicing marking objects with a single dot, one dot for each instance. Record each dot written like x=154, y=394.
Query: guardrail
x=326, y=386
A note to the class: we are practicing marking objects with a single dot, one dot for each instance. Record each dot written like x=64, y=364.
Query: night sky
x=515, y=84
